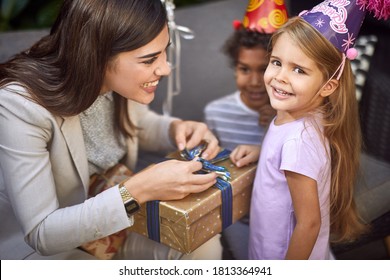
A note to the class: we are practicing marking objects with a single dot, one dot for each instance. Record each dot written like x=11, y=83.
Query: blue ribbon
x=153, y=220
x=223, y=184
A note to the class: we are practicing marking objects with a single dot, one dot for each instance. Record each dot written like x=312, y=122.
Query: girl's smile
x=293, y=81
x=280, y=94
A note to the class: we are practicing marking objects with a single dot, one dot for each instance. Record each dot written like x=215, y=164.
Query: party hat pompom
x=236, y=24
x=352, y=53
x=380, y=8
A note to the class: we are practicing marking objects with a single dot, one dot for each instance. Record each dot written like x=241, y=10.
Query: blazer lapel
x=71, y=129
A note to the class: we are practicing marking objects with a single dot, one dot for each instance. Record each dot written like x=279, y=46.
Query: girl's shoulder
x=307, y=130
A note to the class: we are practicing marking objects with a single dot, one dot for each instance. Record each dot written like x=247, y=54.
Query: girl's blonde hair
x=341, y=127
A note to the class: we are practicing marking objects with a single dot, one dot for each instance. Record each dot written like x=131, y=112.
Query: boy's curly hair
x=245, y=38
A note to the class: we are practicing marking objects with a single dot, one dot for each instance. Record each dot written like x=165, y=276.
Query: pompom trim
x=352, y=53
x=236, y=24
x=380, y=8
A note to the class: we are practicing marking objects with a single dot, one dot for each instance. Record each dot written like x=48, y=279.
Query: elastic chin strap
x=340, y=70
x=341, y=67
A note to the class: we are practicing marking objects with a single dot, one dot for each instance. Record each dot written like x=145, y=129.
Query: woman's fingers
x=188, y=134
x=201, y=188
x=212, y=148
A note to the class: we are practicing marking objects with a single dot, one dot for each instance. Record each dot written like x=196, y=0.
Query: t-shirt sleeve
x=304, y=158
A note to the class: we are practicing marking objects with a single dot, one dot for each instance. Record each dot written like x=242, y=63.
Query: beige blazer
x=44, y=178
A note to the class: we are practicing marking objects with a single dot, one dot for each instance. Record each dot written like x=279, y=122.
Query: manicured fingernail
x=181, y=146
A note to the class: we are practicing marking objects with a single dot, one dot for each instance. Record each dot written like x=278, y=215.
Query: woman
x=74, y=105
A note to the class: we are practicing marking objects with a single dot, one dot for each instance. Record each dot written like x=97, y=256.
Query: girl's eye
x=275, y=62
x=299, y=70
x=150, y=61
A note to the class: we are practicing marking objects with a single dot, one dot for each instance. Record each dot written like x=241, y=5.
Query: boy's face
x=249, y=73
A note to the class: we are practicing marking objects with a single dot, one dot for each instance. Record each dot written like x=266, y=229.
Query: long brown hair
x=64, y=71
x=341, y=127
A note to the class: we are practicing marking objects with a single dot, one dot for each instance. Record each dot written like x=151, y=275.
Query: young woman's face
x=136, y=74
x=249, y=73
x=292, y=80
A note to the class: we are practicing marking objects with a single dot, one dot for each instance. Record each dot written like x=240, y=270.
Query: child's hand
x=267, y=113
x=245, y=154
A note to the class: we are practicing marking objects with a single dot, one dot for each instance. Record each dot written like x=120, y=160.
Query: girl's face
x=293, y=81
x=249, y=73
x=136, y=74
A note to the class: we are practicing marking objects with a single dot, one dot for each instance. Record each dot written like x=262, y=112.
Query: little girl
x=303, y=191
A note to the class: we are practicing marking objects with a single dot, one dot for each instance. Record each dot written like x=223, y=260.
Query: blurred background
x=37, y=14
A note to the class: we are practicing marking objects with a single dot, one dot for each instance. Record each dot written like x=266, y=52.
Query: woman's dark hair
x=244, y=38
x=64, y=71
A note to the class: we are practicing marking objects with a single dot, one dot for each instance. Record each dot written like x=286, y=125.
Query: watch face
x=131, y=207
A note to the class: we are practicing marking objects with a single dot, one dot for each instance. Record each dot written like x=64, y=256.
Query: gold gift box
x=188, y=223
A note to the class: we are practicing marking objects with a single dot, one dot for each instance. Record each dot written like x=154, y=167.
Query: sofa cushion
x=373, y=188
x=365, y=45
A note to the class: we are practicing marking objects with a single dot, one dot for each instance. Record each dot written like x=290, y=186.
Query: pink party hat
x=264, y=16
x=340, y=21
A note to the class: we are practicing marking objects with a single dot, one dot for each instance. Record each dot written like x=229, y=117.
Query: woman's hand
x=169, y=180
x=188, y=134
x=245, y=154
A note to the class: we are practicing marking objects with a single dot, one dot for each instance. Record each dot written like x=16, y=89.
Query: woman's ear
x=329, y=88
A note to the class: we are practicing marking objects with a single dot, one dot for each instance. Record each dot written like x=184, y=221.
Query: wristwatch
x=131, y=204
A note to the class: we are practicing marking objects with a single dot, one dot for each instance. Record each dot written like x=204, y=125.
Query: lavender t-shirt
x=299, y=147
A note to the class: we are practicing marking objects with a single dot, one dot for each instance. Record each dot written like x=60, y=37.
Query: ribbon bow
x=208, y=166
x=223, y=184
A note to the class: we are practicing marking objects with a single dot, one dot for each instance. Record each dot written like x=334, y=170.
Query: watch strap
x=130, y=203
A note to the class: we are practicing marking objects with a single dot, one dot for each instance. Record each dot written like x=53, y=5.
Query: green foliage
x=34, y=14
x=181, y=3
x=9, y=10
x=28, y=14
